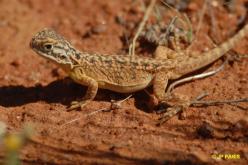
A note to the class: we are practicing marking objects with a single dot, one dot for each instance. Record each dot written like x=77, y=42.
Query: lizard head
x=47, y=43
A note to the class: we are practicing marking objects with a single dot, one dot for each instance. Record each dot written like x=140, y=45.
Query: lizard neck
x=74, y=58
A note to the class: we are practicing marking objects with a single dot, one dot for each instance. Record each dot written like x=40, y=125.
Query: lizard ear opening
x=63, y=57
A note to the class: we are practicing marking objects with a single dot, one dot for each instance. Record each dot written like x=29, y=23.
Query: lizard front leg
x=91, y=92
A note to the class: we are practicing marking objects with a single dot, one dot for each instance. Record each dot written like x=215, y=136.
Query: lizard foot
x=175, y=104
x=77, y=105
x=169, y=114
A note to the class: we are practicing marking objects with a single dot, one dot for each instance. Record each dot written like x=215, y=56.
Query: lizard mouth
x=31, y=43
x=35, y=46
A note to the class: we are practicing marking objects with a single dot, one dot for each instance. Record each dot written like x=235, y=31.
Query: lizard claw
x=77, y=105
x=169, y=114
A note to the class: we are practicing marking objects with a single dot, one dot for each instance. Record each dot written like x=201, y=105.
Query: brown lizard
x=121, y=73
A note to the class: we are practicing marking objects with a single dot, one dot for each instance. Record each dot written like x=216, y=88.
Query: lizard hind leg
x=163, y=52
x=160, y=82
x=175, y=103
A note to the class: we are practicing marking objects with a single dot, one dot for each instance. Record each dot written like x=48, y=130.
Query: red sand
x=34, y=90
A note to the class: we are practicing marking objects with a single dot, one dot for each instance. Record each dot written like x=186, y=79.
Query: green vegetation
x=13, y=143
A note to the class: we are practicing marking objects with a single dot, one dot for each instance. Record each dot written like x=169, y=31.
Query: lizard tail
x=214, y=54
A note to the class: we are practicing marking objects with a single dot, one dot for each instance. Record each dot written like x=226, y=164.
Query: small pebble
x=100, y=28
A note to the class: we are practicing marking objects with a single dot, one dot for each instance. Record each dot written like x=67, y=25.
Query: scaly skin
x=121, y=73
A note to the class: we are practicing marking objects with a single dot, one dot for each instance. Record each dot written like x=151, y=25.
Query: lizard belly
x=125, y=87
x=124, y=81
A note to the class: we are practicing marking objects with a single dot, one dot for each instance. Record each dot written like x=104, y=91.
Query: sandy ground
x=33, y=90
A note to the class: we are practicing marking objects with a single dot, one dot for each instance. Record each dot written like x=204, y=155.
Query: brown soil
x=33, y=90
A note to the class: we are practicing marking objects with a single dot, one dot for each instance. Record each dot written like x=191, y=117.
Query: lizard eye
x=48, y=47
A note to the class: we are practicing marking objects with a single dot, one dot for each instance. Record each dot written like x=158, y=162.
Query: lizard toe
x=77, y=105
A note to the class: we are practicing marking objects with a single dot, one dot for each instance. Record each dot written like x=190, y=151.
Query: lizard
x=123, y=74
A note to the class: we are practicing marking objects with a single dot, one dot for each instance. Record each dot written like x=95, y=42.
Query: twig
x=217, y=102
x=243, y=55
x=99, y=110
x=213, y=25
x=71, y=121
x=201, y=96
x=195, y=77
x=94, y=112
x=181, y=18
x=170, y=27
x=113, y=106
x=201, y=16
x=170, y=7
x=200, y=22
x=117, y=104
x=196, y=103
x=141, y=26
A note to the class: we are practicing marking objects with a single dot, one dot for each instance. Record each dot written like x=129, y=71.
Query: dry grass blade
x=195, y=77
x=217, y=102
x=141, y=27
